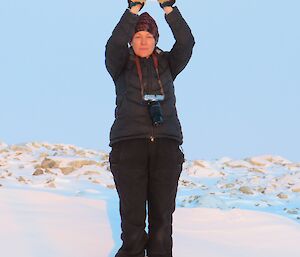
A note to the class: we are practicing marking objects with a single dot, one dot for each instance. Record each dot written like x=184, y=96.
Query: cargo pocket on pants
x=114, y=158
x=180, y=157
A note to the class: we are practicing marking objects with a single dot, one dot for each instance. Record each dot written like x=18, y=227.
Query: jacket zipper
x=149, y=89
x=152, y=138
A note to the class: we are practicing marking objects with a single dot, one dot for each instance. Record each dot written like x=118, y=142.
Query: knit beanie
x=147, y=23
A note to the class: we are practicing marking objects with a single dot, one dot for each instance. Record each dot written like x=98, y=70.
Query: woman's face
x=143, y=43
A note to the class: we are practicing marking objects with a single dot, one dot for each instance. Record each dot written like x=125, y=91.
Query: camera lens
x=155, y=113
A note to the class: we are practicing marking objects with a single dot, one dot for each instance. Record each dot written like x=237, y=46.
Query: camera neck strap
x=139, y=71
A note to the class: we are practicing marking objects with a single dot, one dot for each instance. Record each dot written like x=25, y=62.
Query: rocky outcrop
x=246, y=190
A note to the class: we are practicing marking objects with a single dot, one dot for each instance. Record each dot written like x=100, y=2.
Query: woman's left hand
x=166, y=3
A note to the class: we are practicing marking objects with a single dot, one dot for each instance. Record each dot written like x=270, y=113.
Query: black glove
x=139, y=2
x=164, y=3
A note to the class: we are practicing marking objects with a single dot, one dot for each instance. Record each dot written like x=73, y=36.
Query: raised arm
x=116, y=50
x=181, y=51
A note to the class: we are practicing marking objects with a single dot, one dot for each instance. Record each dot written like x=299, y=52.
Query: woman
x=145, y=159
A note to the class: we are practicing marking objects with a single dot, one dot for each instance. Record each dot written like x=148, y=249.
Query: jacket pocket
x=120, y=106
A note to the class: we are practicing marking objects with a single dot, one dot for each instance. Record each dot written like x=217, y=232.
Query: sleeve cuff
x=173, y=16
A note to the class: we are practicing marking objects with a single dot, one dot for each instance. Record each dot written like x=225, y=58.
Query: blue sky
x=238, y=96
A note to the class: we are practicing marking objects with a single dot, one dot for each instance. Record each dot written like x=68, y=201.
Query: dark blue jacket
x=132, y=119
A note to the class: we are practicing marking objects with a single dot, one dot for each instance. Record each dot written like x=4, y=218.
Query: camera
x=154, y=108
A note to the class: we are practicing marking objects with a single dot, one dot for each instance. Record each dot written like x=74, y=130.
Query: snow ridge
x=265, y=183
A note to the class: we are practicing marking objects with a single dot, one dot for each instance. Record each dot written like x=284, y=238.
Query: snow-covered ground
x=60, y=200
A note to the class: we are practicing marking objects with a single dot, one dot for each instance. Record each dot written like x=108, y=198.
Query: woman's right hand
x=136, y=5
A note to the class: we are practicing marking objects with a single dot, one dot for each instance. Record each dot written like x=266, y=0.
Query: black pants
x=146, y=172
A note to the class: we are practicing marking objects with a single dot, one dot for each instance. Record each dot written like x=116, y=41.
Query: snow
x=60, y=200
x=47, y=224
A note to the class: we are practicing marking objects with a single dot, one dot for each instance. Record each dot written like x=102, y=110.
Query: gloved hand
x=164, y=3
x=132, y=3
